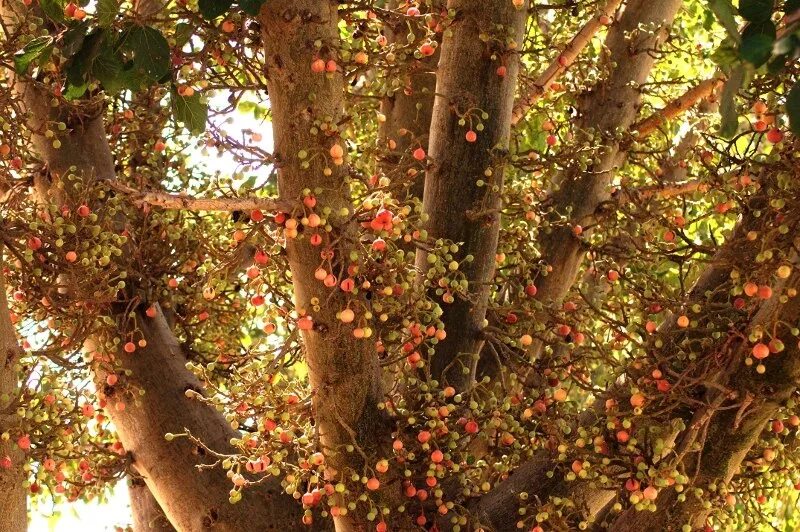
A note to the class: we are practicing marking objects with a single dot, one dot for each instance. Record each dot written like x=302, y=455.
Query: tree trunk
x=13, y=495
x=459, y=207
x=408, y=108
x=540, y=477
x=608, y=111
x=147, y=514
x=307, y=108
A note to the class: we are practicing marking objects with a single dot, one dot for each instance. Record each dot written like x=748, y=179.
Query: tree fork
x=611, y=107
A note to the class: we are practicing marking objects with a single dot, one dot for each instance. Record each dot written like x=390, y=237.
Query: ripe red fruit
x=471, y=427
x=774, y=135
x=84, y=211
x=760, y=351
x=419, y=154
x=531, y=290
x=318, y=66
x=502, y=71
x=471, y=136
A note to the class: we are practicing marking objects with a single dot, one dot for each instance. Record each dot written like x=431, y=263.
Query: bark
x=13, y=495
x=147, y=514
x=343, y=370
x=459, y=209
x=408, y=109
x=609, y=109
x=192, y=498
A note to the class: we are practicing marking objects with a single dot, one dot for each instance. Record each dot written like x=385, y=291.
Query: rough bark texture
x=343, y=370
x=611, y=107
x=13, y=496
x=458, y=208
x=147, y=514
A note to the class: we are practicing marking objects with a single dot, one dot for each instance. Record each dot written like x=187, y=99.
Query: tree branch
x=560, y=65
x=188, y=203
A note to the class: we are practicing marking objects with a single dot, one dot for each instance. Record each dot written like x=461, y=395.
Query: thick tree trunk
x=13, y=496
x=192, y=499
x=147, y=514
x=459, y=208
x=307, y=108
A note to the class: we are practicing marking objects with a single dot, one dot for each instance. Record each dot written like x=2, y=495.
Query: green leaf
x=212, y=9
x=183, y=32
x=54, y=9
x=251, y=7
x=74, y=92
x=725, y=12
x=727, y=106
x=32, y=51
x=756, y=10
x=112, y=73
x=107, y=11
x=151, y=53
x=793, y=108
x=81, y=62
x=191, y=111
x=73, y=39
x=757, y=41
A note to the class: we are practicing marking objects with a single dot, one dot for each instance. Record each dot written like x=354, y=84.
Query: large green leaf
x=757, y=42
x=73, y=39
x=107, y=11
x=727, y=105
x=112, y=73
x=793, y=108
x=38, y=47
x=191, y=111
x=54, y=9
x=81, y=62
x=150, y=49
x=756, y=10
x=725, y=12
x=211, y=9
